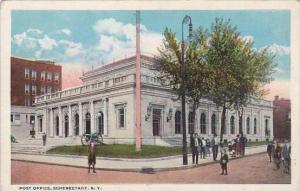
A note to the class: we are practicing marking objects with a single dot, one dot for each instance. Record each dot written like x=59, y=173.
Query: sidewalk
x=121, y=164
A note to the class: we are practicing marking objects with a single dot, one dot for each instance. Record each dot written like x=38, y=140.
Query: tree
x=240, y=70
x=198, y=73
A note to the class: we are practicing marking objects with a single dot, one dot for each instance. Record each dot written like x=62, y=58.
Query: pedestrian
x=286, y=155
x=277, y=155
x=270, y=149
x=92, y=155
x=203, y=148
x=44, y=137
x=243, y=142
x=224, y=161
x=238, y=145
x=215, y=146
x=207, y=147
x=194, y=144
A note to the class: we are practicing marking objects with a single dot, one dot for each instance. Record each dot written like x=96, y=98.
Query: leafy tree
x=240, y=70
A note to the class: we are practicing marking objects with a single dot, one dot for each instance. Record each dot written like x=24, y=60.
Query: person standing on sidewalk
x=238, y=145
x=270, y=149
x=44, y=137
x=277, y=155
x=203, y=148
x=194, y=143
x=286, y=152
x=92, y=155
x=215, y=146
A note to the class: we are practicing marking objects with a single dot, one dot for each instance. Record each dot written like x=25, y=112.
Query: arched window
x=267, y=132
x=255, y=126
x=76, y=124
x=213, y=124
x=202, y=124
x=100, y=122
x=248, y=125
x=88, y=123
x=191, y=122
x=177, y=122
x=232, y=125
x=66, y=125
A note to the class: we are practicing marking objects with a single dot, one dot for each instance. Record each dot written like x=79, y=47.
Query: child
x=223, y=162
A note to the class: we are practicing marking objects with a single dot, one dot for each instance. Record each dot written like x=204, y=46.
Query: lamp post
x=186, y=19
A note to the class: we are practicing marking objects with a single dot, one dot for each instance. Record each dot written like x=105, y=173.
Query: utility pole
x=138, y=86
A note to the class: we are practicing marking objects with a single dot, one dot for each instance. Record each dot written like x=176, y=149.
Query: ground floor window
x=213, y=124
x=191, y=122
x=255, y=126
x=76, y=124
x=202, y=124
x=232, y=125
x=100, y=122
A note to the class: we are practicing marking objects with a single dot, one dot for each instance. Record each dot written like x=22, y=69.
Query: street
x=254, y=169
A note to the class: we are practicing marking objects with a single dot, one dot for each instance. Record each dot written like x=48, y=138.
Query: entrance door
x=88, y=123
x=156, y=121
x=66, y=126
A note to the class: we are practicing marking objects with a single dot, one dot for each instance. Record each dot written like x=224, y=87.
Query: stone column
x=60, y=125
x=80, y=118
x=51, y=123
x=105, y=113
x=70, y=121
x=92, y=117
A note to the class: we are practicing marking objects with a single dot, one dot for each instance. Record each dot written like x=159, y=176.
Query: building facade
x=105, y=103
x=30, y=78
x=282, y=118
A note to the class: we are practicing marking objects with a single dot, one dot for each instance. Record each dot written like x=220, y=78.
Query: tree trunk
x=223, y=119
x=241, y=121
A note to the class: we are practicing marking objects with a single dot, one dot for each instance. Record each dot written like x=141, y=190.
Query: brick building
x=282, y=118
x=30, y=78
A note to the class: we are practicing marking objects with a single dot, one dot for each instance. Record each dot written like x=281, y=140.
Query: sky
x=82, y=40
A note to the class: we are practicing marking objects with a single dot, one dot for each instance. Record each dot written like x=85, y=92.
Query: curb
x=140, y=170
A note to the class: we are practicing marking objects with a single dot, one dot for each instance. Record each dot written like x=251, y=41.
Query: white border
x=293, y=6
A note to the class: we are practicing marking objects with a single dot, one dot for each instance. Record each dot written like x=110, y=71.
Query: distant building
x=105, y=104
x=282, y=118
x=30, y=78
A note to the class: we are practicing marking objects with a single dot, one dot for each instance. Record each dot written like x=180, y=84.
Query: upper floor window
x=49, y=89
x=56, y=77
x=27, y=88
x=49, y=76
x=43, y=89
x=27, y=73
x=33, y=75
x=33, y=89
x=43, y=75
x=27, y=101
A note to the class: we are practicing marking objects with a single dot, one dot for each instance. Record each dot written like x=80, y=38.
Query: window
x=191, y=122
x=27, y=101
x=33, y=89
x=213, y=124
x=49, y=76
x=248, y=125
x=107, y=83
x=267, y=131
x=121, y=116
x=56, y=77
x=255, y=126
x=27, y=87
x=202, y=124
x=43, y=89
x=27, y=72
x=232, y=125
x=177, y=122
x=33, y=75
x=11, y=118
x=49, y=89
x=17, y=119
x=43, y=75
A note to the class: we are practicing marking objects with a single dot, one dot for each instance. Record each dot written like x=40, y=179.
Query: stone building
x=105, y=103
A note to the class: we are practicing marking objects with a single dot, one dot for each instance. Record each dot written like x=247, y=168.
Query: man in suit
x=215, y=146
x=286, y=155
x=194, y=143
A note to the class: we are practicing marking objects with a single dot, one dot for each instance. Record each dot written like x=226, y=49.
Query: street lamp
x=187, y=19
